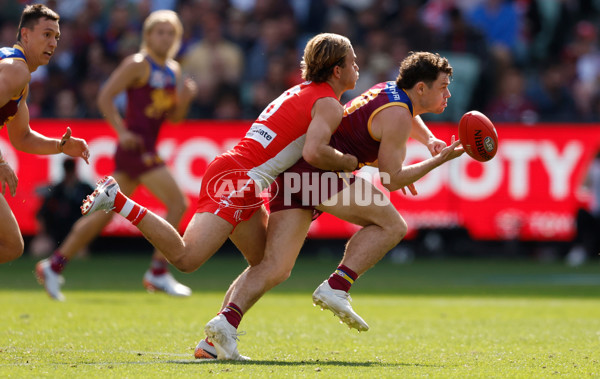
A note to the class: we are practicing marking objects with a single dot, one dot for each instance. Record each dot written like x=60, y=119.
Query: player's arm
x=131, y=71
x=14, y=76
x=421, y=133
x=186, y=91
x=327, y=114
x=23, y=138
x=393, y=126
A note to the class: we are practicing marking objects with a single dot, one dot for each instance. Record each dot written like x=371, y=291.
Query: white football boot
x=224, y=336
x=49, y=279
x=205, y=351
x=103, y=197
x=338, y=302
x=165, y=283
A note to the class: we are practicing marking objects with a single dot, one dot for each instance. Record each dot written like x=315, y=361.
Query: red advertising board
x=527, y=191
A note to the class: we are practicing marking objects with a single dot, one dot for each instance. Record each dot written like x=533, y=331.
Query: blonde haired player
x=37, y=37
x=151, y=79
x=296, y=124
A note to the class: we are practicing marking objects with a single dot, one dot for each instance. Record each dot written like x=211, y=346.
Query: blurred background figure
x=155, y=91
x=236, y=49
x=587, y=239
x=59, y=209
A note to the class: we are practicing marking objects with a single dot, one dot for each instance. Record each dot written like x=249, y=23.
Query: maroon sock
x=58, y=262
x=233, y=314
x=342, y=278
x=159, y=266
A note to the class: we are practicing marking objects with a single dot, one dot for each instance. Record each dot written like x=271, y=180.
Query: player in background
x=296, y=124
x=37, y=38
x=375, y=128
x=155, y=91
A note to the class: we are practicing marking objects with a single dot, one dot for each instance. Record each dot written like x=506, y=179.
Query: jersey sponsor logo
x=261, y=134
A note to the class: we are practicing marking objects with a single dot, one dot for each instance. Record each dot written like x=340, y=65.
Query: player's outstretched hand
x=8, y=178
x=452, y=151
x=74, y=147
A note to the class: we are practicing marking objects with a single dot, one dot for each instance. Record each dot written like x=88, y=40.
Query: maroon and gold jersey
x=8, y=110
x=353, y=136
x=148, y=105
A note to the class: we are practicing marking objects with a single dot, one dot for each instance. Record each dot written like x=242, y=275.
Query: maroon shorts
x=304, y=186
x=228, y=192
x=134, y=163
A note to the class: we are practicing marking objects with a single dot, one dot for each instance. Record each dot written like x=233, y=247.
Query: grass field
x=440, y=318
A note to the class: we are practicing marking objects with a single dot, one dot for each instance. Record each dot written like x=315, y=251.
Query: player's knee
x=184, y=264
x=397, y=228
x=11, y=249
x=278, y=273
x=282, y=275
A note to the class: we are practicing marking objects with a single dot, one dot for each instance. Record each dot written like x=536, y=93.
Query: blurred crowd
x=516, y=60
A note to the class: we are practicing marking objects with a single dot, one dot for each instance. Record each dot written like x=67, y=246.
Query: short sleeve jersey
x=148, y=105
x=8, y=110
x=275, y=140
x=354, y=136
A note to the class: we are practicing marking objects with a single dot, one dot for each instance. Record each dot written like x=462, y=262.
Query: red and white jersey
x=275, y=140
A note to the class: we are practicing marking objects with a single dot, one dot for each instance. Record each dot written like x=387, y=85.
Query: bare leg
x=383, y=227
x=11, y=241
x=161, y=184
x=250, y=238
x=204, y=235
x=285, y=235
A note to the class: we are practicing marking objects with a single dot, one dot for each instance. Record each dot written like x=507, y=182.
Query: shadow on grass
x=300, y=363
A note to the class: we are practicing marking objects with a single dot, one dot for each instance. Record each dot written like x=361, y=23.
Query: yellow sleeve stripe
x=398, y=104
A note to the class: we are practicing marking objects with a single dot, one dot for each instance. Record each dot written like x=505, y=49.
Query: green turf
x=428, y=319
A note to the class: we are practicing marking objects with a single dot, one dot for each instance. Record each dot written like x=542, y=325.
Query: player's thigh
x=161, y=183
x=286, y=234
x=205, y=234
x=249, y=236
x=126, y=184
x=362, y=204
x=10, y=234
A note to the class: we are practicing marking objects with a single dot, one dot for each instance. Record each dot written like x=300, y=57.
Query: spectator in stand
x=268, y=45
x=65, y=104
x=587, y=53
x=511, y=103
x=213, y=62
x=462, y=38
x=551, y=95
x=89, y=88
x=500, y=23
x=409, y=25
